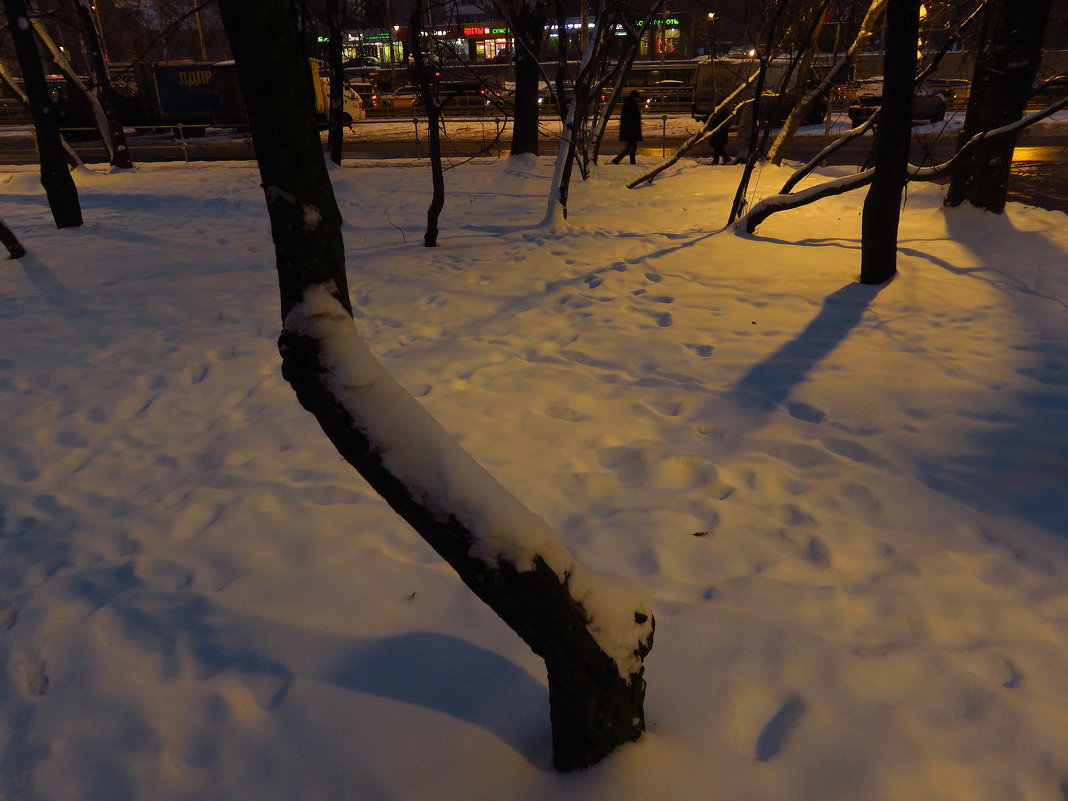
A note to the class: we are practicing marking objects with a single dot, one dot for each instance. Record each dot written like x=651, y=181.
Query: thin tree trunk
x=758, y=94
x=336, y=125
x=109, y=98
x=100, y=120
x=860, y=41
x=1006, y=64
x=499, y=549
x=15, y=249
x=432, y=104
x=882, y=206
x=55, y=177
x=73, y=159
x=800, y=110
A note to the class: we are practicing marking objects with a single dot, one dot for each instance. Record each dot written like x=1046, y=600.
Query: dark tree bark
x=55, y=177
x=528, y=28
x=882, y=206
x=109, y=98
x=595, y=695
x=837, y=186
x=15, y=249
x=335, y=122
x=1010, y=52
x=738, y=206
x=432, y=103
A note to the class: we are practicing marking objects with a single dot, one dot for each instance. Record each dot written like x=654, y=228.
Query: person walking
x=630, y=126
x=718, y=140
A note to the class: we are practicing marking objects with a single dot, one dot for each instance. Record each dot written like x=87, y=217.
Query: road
x=1039, y=170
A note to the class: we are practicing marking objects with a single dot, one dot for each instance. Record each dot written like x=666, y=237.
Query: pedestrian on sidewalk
x=630, y=126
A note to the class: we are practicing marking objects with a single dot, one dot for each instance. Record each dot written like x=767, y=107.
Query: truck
x=716, y=78
x=198, y=94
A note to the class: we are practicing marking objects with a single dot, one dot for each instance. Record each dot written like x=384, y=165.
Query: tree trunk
x=840, y=69
x=432, y=104
x=882, y=206
x=109, y=98
x=11, y=242
x=335, y=135
x=499, y=549
x=55, y=177
x=1009, y=54
x=528, y=28
x=6, y=79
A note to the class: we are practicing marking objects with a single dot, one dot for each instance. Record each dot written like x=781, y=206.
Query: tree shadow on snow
x=769, y=383
x=435, y=671
x=450, y=675
x=1018, y=447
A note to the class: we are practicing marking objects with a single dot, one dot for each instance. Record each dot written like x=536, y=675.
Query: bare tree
x=841, y=67
x=603, y=62
x=9, y=83
x=335, y=121
x=55, y=177
x=788, y=199
x=592, y=632
x=109, y=98
x=1007, y=61
x=526, y=19
x=428, y=90
x=882, y=206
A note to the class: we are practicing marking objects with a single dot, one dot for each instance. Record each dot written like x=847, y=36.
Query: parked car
x=367, y=92
x=1049, y=90
x=457, y=97
x=928, y=105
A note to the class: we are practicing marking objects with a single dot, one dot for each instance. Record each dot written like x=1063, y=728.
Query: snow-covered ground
x=847, y=502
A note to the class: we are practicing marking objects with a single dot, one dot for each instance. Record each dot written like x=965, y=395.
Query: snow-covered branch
x=864, y=35
x=781, y=202
x=100, y=119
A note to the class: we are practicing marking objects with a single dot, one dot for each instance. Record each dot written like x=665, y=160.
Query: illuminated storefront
x=492, y=41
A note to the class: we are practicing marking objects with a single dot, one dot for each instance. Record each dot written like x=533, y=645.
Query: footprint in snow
x=667, y=408
x=805, y=413
x=704, y=351
x=566, y=413
x=773, y=736
x=29, y=670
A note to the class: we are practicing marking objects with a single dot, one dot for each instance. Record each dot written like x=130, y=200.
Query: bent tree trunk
x=882, y=206
x=592, y=631
x=55, y=177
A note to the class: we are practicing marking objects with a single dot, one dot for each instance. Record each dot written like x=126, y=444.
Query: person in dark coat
x=630, y=126
x=718, y=140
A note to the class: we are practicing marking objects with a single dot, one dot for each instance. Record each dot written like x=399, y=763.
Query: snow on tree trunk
x=73, y=159
x=593, y=631
x=109, y=98
x=55, y=177
x=882, y=206
x=100, y=120
x=860, y=42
